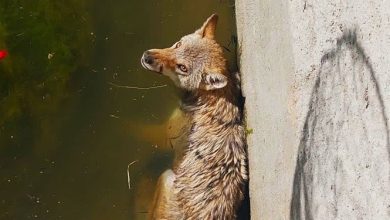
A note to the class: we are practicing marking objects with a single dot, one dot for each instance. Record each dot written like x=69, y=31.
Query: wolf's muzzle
x=149, y=62
x=148, y=58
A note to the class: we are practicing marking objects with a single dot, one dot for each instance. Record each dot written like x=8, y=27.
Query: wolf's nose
x=147, y=58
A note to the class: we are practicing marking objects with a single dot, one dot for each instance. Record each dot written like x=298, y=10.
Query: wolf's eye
x=178, y=44
x=182, y=67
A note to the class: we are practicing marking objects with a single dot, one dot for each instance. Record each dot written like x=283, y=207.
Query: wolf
x=210, y=179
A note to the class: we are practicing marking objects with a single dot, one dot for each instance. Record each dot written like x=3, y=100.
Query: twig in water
x=128, y=172
x=114, y=116
x=135, y=87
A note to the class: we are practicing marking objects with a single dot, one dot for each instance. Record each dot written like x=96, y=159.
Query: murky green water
x=67, y=134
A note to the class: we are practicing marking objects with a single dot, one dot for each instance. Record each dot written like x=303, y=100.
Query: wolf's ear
x=213, y=81
x=208, y=28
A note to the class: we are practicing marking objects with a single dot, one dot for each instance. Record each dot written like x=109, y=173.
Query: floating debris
x=50, y=56
x=135, y=87
x=3, y=54
x=128, y=172
x=114, y=116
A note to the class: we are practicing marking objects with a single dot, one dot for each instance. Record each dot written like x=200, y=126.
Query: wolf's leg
x=163, y=205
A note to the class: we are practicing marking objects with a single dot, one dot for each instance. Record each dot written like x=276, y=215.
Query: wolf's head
x=194, y=62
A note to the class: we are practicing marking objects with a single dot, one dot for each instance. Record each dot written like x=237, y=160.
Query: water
x=68, y=131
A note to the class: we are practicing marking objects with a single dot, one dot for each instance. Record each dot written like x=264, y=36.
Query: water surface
x=68, y=130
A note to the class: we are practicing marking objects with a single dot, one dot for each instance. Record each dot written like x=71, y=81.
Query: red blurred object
x=3, y=54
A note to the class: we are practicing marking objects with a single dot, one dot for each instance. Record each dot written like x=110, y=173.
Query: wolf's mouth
x=148, y=67
x=144, y=64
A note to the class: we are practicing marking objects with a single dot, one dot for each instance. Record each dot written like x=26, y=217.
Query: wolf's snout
x=148, y=58
x=149, y=62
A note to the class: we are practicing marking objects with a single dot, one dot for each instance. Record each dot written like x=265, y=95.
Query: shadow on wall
x=342, y=169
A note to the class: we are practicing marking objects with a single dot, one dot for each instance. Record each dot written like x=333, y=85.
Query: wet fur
x=209, y=181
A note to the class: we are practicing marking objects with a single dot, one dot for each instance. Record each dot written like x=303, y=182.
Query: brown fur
x=209, y=181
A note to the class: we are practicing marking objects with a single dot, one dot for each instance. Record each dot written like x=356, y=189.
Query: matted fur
x=209, y=181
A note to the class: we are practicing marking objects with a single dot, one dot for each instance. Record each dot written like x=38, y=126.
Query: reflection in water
x=67, y=134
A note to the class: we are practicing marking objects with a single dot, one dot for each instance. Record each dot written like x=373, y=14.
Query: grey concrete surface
x=316, y=77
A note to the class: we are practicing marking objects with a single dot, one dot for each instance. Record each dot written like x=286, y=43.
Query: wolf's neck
x=216, y=107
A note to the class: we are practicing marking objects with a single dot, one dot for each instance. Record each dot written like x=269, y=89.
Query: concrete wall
x=316, y=77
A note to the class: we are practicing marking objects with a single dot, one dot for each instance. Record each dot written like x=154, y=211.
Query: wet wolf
x=209, y=181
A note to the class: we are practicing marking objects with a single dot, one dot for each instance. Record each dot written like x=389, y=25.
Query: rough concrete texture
x=316, y=77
